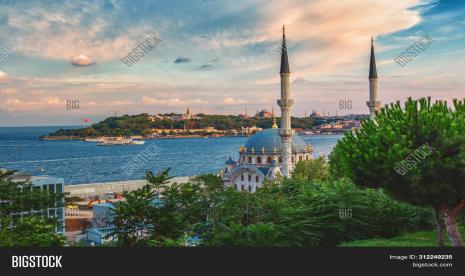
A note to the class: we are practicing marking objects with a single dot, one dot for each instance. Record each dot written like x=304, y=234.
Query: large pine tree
x=415, y=153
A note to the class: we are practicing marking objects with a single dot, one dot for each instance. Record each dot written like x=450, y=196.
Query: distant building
x=187, y=116
x=245, y=115
x=264, y=114
x=103, y=229
x=102, y=224
x=103, y=215
x=100, y=236
x=247, y=131
x=155, y=117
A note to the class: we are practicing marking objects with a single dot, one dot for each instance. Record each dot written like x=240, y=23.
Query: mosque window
x=242, y=177
x=250, y=178
x=259, y=160
x=256, y=178
x=280, y=159
x=268, y=159
x=293, y=159
x=250, y=188
x=307, y=157
x=250, y=159
x=300, y=158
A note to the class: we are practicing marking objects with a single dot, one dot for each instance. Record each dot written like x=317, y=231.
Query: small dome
x=269, y=139
x=230, y=161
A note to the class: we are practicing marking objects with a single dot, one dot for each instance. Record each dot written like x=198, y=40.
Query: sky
x=219, y=56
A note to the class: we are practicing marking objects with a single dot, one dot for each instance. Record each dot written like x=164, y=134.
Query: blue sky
x=227, y=51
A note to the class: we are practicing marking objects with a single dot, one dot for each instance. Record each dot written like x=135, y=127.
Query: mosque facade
x=272, y=152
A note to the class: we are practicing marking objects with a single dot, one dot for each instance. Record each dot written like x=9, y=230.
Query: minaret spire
x=373, y=103
x=373, y=73
x=284, y=59
x=274, y=119
x=286, y=104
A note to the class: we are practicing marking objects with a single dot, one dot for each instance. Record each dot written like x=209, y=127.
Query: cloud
x=300, y=79
x=3, y=77
x=182, y=60
x=82, y=60
x=42, y=103
x=121, y=102
x=232, y=101
x=8, y=91
x=206, y=67
x=172, y=102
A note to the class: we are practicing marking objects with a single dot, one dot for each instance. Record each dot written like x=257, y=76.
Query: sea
x=80, y=162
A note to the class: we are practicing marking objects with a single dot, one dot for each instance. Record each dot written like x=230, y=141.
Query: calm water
x=85, y=162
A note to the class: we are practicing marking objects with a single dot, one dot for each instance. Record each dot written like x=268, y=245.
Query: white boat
x=119, y=141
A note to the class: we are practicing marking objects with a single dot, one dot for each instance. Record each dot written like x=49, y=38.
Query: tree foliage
x=288, y=212
x=310, y=170
x=372, y=156
x=29, y=231
x=17, y=226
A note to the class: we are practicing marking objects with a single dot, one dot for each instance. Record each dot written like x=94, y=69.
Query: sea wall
x=99, y=189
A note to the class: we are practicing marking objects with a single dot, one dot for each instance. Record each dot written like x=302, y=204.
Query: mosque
x=275, y=151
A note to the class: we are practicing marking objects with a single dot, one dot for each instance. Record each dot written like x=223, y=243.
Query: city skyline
x=227, y=54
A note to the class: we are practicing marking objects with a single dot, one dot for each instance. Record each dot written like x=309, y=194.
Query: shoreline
x=102, y=188
x=68, y=138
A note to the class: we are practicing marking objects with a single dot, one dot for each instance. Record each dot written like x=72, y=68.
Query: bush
x=285, y=212
x=341, y=212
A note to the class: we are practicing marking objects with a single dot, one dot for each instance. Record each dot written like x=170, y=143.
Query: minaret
x=285, y=103
x=373, y=104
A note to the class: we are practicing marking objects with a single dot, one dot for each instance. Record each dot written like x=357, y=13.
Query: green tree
x=27, y=230
x=415, y=153
x=310, y=170
x=162, y=211
x=234, y=234
x=285, y=212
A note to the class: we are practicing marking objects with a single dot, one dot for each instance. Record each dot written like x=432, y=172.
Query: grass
x=417, y=239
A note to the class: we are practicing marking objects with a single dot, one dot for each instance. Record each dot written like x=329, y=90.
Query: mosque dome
x=269, y=139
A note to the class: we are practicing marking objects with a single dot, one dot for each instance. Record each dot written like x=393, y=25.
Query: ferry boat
x=119, y=141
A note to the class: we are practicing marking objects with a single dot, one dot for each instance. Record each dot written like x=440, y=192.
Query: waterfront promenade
x=102, y=188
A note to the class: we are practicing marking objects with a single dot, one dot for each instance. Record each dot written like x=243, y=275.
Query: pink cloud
x=3, y=77
x=82, y=60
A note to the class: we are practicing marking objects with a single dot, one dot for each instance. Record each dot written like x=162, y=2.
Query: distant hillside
x=141, y=124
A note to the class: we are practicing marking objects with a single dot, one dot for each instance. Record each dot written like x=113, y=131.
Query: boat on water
x=112, y=141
